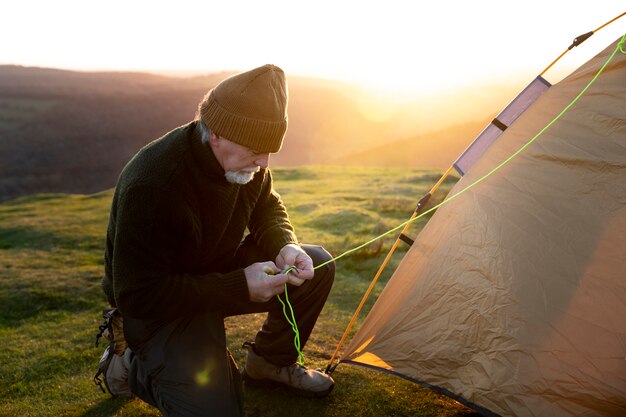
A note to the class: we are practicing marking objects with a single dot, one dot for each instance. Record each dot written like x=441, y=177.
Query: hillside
x=68, y=131
x=51, y=268
x=432, y=149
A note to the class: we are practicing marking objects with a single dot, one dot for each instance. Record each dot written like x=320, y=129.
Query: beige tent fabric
x=513, y=297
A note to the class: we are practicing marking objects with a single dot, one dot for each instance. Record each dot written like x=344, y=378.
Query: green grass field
x=51, y=249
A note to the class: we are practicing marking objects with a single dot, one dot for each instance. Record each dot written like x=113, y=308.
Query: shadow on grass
x=357, y=393
x=25, y=237
x=106, y=407
x=280, y=402
x=17, y=304
x=342, y=222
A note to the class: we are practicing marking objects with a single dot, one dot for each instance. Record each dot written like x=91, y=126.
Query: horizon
x=401, y=49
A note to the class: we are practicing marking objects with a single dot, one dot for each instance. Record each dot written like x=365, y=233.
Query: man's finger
x=294, y=280
x=270, y=268
x=278, y=280
x=303, y=273
x=279, y=289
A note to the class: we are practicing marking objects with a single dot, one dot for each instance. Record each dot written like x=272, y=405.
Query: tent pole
x=580, y=39
x=330, y=368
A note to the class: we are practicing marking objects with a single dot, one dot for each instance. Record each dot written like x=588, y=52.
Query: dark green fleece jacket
x=175, y=225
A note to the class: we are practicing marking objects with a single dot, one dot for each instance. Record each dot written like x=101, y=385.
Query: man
x=177, y=262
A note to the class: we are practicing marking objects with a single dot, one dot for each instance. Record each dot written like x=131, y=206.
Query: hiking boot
x=302, y=381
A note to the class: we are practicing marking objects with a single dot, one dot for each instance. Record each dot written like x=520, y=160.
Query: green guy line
x=292, y=320
x=618, y=48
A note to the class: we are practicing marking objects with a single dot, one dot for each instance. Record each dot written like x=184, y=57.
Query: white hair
x=243, y=176
x=205, y=132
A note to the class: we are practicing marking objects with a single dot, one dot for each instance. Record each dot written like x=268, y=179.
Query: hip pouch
x=115, y=361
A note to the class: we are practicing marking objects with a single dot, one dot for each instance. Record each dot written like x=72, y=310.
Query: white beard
x=243, y=176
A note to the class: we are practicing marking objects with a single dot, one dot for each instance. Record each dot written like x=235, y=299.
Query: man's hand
x=294, y=255
x=264, y=281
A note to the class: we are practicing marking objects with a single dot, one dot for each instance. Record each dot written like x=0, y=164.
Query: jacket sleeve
x=145, y=282
x=269, y=223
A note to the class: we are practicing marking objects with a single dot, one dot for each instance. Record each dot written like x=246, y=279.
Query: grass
x=50, y=270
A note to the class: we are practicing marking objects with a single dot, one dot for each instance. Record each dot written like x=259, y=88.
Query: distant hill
x=69, y=131
x=432, y=149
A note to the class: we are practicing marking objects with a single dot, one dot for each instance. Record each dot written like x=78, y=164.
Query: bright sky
x=406, y=46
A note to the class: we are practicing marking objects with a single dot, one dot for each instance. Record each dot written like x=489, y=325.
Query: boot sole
x=269, y=383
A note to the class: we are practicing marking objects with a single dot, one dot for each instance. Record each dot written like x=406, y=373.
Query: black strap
x=406, y=239
x=497, y=123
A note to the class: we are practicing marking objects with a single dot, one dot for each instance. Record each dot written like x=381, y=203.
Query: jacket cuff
x=235, y=286
x=278, y=244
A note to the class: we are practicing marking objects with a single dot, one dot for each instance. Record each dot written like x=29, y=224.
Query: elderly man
x=178, y=259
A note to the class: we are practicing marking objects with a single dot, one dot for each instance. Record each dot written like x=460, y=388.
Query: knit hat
x=249, y=108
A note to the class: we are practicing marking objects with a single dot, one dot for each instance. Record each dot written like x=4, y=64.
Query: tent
x=512, y=299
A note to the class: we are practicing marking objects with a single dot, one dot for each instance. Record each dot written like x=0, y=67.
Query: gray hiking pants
x=182, y=366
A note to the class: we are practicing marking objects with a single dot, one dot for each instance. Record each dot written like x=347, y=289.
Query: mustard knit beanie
x=249, y=108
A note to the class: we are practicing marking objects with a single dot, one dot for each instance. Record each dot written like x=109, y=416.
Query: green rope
x=292, y=323
x=292, y=320
x=447, y=200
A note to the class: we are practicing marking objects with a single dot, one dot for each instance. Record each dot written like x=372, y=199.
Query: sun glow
x=396, y=47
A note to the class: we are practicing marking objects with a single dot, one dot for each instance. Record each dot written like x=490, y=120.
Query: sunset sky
x=401, y=46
